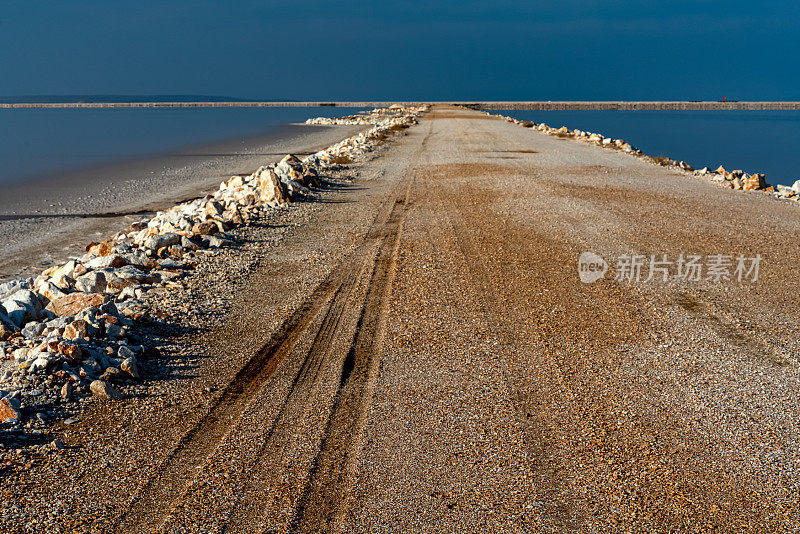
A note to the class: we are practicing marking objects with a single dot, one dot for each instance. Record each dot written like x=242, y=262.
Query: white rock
x=40, y=363
x=102, y=262
x=48, y=290
x=65, y=270
x=91, y=282
x=156, y=242
x=271, y=189
x=130, y=366
x=9, y=288
x=63, y=282
x=19, y=313
x=104, y=390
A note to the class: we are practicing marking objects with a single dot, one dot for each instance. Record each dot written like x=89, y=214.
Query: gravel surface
x=414, y=352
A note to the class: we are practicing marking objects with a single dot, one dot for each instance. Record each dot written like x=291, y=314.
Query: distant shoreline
x=487, y=105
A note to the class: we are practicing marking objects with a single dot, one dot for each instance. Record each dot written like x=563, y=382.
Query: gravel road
x=415, y=352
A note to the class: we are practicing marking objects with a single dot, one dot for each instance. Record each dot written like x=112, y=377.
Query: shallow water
x=753, y=141
x=37, y=143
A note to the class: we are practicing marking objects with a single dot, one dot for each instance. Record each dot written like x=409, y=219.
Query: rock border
x=735, y=179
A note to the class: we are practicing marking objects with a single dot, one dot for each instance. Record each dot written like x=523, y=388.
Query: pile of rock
x=68, y=332
x=734, y=179
x=589, y=137
x=71, y=331
x=337, y=121
x=737, y=179
x=793, y=192
x=375, y=116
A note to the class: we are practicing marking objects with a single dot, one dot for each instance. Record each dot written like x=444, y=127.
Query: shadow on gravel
x=321, y=201
x=18, y=439
x=510, y=151
x=106, y=215
x=168, y=363
x=326, y=185
x=168, y=357
x=155, y=365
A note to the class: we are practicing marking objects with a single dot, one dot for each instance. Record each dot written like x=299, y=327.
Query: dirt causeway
x=420, y=355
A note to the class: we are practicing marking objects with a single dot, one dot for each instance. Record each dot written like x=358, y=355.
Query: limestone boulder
x=9, y=410
x=48, y=290
x=77, y=330
x=271, y=188
x=105, y=391
x=204, y=228
x=63, y=270
x=7, y=326
x=754, y=182
x=130, y=366
x=22, y=307
x=9, y=288
x=213, y=209
x=101, y=249
x=91, y=282
x=63, y=282
x=104, y=262
x=140, y=260
x=155, y=242
x=75, y=302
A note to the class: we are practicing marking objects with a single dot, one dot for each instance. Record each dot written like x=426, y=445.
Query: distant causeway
x=488, y=105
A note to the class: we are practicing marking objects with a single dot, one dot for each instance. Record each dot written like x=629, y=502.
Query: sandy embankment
x=47, y=221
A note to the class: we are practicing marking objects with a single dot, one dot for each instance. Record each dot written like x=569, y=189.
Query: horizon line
x=622, y=105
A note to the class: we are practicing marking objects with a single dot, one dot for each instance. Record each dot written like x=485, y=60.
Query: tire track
x=147, y=511
x=326, y=498
x=595, y=406
x=169, y=484
x=296, y=408
x=304, y=384
x=560, y=513
x=561, y=509
x=725, y=326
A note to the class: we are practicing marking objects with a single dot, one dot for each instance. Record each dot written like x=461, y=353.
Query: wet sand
x=48, y=220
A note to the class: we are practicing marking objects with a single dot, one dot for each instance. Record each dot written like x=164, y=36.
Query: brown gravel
x=423, y=358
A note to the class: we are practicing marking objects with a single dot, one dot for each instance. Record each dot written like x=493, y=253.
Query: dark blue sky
x=434, y=50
